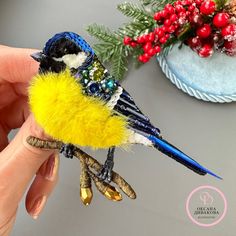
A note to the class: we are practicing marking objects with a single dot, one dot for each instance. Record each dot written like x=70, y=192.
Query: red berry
x=146, y=56
x=151, y=52
x=157, y=16
x=163, y=40
x=160, y=32
x=163, y=13
x=177, y=3
x=229, y=44
x=230, y=48
x=127, y=40
x=205, y=51
x=188, y=13
x=167, y=22
x=182, y=21
x=156, y=30
x=208, y=7
x=143, y=59
x=194, y=42
x=140, y=39
x=197, y=19
x=147, y=47
x=187, y=2
x=173, y=17
x=146, y=37
x=179, y=8
x=204, y=31
x=169, y=8
x=157, y=48
x=229, y=30
x=198, y=2
x=221, y=20
x=164, y=28
x=140, y=58
x=176, y=25
x=151, y=36
x=167, y=36
x=133, y=44
x=171, y=29
x=182, y=14
x=191, y=8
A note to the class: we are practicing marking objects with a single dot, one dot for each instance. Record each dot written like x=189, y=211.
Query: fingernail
x=52, y=167
x=38, y=206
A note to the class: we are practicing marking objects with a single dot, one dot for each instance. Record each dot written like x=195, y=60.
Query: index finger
x=16, y=64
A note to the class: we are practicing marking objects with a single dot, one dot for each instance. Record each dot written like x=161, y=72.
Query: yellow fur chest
x=66, y=114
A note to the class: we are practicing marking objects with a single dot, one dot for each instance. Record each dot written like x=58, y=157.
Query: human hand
x=20, y=162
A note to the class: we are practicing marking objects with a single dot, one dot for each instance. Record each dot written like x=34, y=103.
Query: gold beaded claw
x=86, y=162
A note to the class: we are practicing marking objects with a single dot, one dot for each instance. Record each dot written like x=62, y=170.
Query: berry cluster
x=203, y=26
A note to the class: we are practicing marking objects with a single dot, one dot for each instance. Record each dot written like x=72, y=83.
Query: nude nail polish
x=52, y=167
x=38, y=206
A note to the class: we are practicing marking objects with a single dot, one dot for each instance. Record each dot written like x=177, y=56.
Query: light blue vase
x=210, y=79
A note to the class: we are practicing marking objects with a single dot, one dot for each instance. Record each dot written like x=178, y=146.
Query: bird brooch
x=79, y=103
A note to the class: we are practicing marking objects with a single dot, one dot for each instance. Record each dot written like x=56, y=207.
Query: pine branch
x=147, y=2
x=119, y=63
x=134, y=29
x=110, y=48
x=102, y=33
x=143, y=22
x=156, y=5
x=134, y=11
x=104, y=51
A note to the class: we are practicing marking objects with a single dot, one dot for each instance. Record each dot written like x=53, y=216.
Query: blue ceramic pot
x=210, y=79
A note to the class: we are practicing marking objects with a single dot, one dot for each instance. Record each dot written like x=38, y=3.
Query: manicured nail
x=52, y=167
x=37, y=207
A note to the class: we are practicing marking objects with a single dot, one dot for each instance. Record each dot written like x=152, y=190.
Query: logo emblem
x=206, y=206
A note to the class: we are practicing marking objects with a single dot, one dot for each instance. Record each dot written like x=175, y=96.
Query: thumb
x=18, y=164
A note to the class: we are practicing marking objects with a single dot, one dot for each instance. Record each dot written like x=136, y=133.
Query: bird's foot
x=67, y=150
x=91, y=163
x=105, y=173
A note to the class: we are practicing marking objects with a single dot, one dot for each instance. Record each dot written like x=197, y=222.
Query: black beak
x=38, y=56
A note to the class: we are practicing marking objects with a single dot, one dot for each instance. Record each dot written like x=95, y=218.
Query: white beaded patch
x=114, y=98
x=73, y=60
x=136, y=138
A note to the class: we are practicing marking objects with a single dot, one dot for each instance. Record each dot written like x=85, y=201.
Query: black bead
x=94, y=87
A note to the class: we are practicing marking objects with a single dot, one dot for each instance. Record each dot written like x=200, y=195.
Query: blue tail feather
x=171, y=151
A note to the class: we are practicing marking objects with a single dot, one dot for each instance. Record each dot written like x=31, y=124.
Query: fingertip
x=38, y=194
x=16, y=64
x=35, y=208
x=21, y=156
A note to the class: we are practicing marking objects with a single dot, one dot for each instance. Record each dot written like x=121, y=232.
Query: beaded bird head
x=70, y=50
x=63, y=50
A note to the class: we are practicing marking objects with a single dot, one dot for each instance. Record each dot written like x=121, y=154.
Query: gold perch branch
x=87, y=162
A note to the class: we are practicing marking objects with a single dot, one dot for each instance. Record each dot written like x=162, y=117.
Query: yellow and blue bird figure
x=77, y=101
